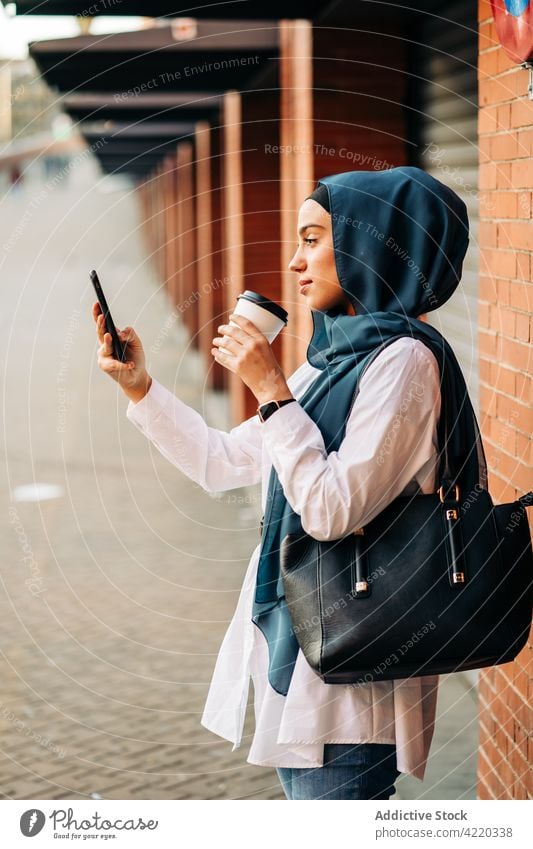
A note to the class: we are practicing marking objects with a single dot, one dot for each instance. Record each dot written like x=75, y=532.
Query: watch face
x=267, y=409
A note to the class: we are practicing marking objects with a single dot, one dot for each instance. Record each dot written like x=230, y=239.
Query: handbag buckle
x=441, y=493
x=458, y=577
x=451, y=513
x=361, y=586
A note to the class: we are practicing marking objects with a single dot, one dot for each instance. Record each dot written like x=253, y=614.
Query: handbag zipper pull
x=454, y=537
x=361, y=589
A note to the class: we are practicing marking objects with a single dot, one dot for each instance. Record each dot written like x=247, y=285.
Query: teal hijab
x=400, y=237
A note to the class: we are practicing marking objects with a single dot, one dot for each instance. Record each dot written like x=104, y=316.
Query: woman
x=375, y=250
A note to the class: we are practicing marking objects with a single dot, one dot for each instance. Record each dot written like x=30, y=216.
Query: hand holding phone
x=130, y=373
x=119, y=350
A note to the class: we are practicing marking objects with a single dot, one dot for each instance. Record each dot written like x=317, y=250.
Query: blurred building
x=28, y=105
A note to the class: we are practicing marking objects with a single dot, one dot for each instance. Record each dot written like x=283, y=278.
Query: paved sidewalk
x=114, y=597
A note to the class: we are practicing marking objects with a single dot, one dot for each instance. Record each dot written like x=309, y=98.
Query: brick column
x=505, y=328
x=160, y=222
x=232, y=227
x=296, y=173
x=209, y=266
x=186, y=236
x=251, y=212
x=170, y=217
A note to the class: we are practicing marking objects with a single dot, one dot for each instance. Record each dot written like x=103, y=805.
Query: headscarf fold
x=399, y=237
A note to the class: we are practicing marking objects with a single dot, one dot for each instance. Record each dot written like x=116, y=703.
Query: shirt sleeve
x=390, y=435
x=214, y=459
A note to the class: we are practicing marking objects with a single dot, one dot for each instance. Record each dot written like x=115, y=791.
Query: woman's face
x=314, y=260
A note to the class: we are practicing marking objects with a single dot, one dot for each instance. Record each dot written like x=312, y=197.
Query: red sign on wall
x=514, y=25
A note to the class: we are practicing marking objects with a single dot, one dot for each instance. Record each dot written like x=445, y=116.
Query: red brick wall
x=505, y=336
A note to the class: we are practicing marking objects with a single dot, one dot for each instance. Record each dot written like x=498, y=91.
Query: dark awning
x=165, y=8
x=144, y=142
x=173, y=106
x=149, y=79
x=219, y=57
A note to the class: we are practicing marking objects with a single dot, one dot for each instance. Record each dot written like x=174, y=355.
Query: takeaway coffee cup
x=267, y=315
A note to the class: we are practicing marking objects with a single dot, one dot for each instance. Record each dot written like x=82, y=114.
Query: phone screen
x=119, y=350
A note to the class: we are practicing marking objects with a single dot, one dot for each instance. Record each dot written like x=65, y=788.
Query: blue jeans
x=350, y=771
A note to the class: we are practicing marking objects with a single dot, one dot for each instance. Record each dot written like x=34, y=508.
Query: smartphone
x=119, y=350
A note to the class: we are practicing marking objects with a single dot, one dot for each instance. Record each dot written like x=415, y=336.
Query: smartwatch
x=266, y=410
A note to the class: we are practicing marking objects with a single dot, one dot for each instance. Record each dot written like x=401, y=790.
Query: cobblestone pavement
x=114, y=597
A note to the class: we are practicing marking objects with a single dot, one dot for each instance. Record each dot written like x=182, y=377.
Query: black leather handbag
x=431, y=585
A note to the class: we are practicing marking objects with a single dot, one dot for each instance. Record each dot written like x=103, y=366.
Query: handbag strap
x=446, y=475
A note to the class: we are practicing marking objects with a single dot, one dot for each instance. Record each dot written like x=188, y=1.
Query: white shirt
x=390, y=444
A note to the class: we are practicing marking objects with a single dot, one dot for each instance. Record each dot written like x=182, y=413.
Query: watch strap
x=265, y=410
